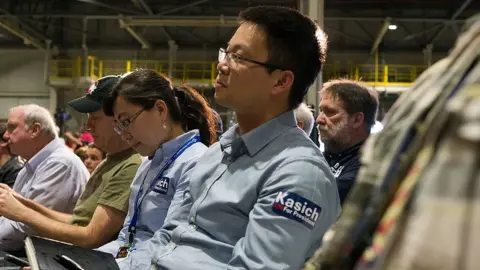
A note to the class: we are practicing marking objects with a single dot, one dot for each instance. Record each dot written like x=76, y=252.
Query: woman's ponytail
x=196, y=113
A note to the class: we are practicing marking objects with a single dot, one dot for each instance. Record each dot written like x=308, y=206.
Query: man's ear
x=300, y=124
x=36, y=129
x=284, y=81
x=358, y=119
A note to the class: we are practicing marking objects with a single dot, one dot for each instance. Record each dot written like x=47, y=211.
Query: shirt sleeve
x=117, y=191
x=48, y=190
x=177, y=213
x=113, y=246
x=11, y=234
x=294, y=209
x=49, y=187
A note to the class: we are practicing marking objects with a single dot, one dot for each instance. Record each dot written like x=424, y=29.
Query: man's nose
x=6, y=136
x=320, y=119
x=89, y=124
x=222, y=67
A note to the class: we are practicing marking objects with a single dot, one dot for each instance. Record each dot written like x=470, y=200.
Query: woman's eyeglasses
x=121, y=126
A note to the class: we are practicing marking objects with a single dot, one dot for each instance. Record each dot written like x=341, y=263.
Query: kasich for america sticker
x=295, y=207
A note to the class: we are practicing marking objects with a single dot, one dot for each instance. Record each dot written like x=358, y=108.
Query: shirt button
x=171, y=245
x=193, y=227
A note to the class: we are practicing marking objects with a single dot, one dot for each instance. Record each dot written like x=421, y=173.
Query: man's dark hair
x=356, y=97
x=294, y=42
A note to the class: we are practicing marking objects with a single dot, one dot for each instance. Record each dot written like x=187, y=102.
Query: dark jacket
x=9, y=170
x=345, y=166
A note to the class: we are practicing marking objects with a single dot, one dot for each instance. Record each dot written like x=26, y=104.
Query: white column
x=172, y=56
x=85, y=47
x=427, y=54
x=313, y=9
x=52, y=93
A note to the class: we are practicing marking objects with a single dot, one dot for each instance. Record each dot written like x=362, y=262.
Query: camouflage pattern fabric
x=398, y=162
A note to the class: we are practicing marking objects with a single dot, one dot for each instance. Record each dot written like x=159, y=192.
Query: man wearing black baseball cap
x=101, y=209
x=92, y=101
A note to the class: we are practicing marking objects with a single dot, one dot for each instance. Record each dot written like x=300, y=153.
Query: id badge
x=124, y=251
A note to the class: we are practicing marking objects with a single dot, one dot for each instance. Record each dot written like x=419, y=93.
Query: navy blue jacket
x=345, y=166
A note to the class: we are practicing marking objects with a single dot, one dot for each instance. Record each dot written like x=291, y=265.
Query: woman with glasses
x=172, y=127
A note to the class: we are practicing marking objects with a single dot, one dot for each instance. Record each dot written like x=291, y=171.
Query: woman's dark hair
x=144, y=87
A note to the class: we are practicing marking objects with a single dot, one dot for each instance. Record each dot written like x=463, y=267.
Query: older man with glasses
x=100, y=211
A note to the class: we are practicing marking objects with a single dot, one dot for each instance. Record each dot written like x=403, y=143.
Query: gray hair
x=303, y=113
x=37, y=114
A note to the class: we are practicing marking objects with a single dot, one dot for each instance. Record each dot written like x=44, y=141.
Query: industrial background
x=51, y=49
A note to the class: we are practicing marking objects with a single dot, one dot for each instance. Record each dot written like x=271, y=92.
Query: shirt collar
x=353, y=150
x=121, y=155
x=46, y=151
x=259, y=137
x=169, y=148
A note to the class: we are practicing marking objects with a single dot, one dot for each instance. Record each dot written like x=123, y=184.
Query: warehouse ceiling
x=352, y=25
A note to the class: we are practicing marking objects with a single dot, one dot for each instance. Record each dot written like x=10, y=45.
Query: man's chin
x=324, y=136
x=219, y=99
x=141, y=149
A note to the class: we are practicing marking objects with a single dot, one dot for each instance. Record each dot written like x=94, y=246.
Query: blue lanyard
x=139, y=198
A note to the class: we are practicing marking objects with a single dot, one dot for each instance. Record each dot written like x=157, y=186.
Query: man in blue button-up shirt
x=263, y=197
x=53, y=175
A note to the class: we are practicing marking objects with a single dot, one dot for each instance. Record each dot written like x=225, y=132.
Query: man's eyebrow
x=326, y=107
x=237, y=47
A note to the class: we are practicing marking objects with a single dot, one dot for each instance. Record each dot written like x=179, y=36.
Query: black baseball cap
x=92, y=101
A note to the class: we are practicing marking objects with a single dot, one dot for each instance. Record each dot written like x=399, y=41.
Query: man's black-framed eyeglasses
x=235, y=57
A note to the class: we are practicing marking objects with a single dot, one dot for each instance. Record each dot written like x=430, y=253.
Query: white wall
x=22, y=80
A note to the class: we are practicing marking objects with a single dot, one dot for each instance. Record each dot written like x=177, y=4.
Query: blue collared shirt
x=258, y=201
x=55, y=178
x=157, y=206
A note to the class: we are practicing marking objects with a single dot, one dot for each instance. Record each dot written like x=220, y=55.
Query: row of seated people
x=260, y=198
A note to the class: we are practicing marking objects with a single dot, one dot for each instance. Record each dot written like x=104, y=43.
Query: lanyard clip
x=131, y=235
